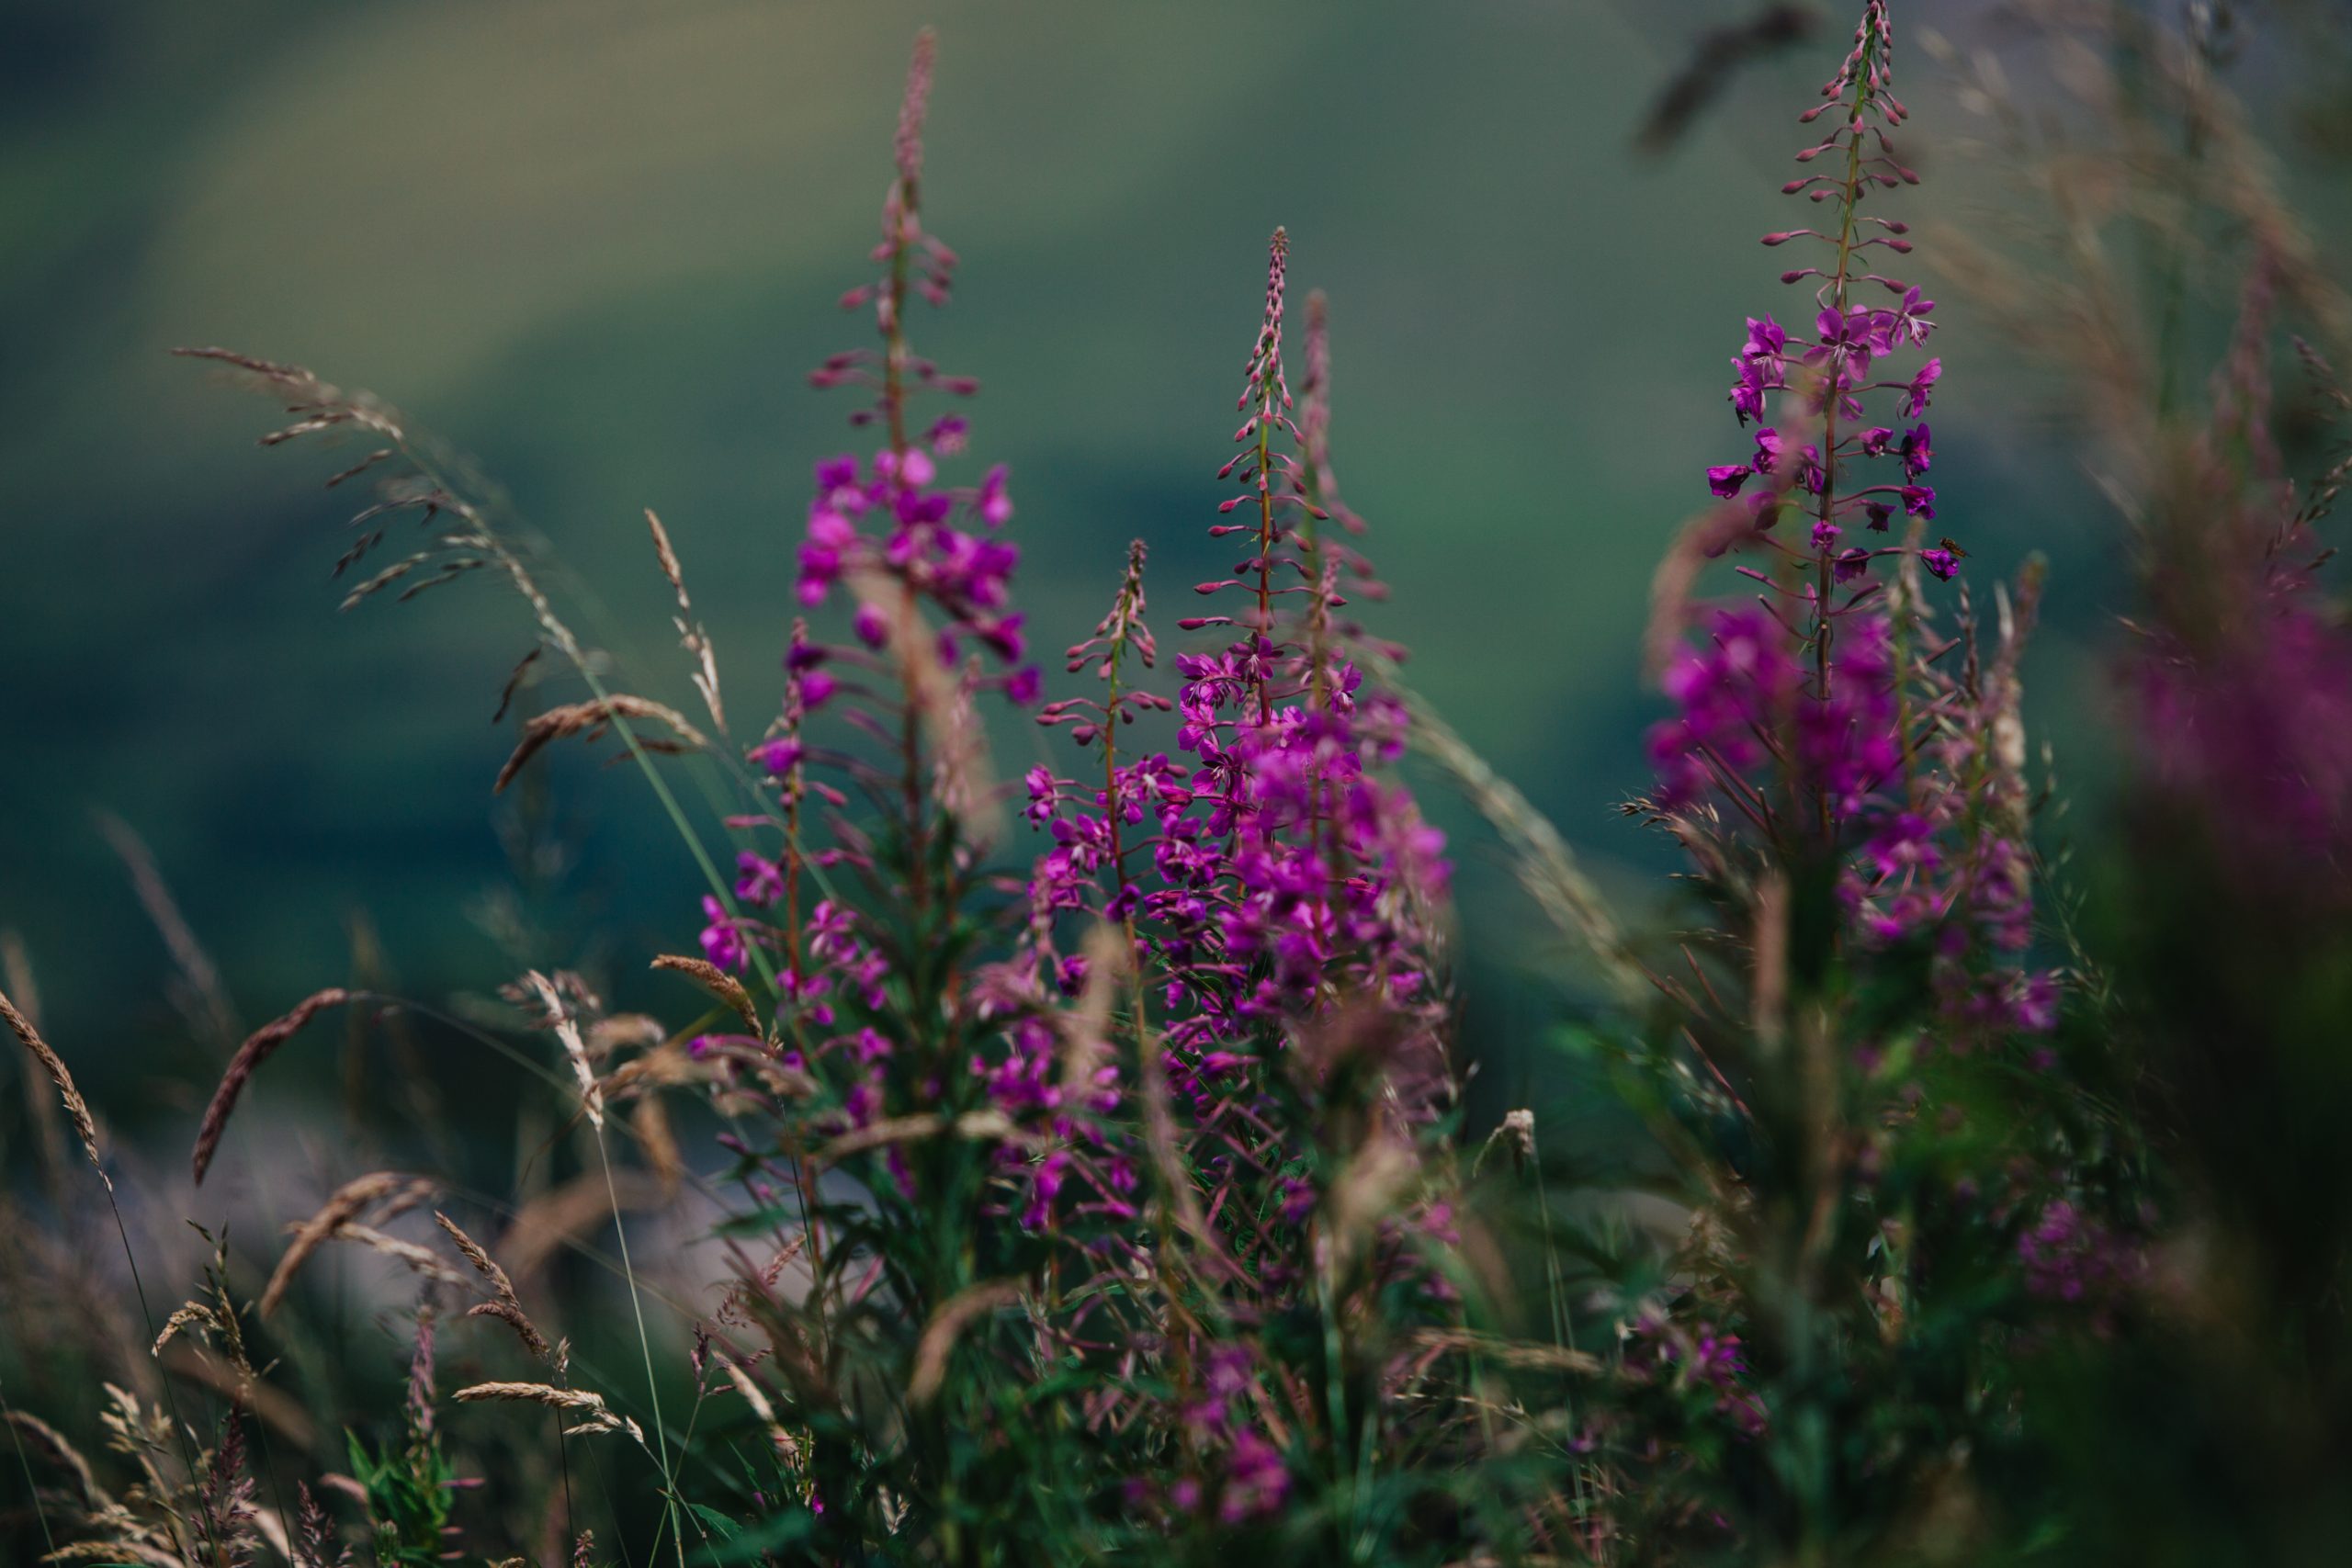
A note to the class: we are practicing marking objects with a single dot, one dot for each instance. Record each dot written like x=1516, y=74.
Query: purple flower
x=1915, y=402
x=1903, y=841
x=761, y=881
x=1767, y=339
x=1746, y=694
x=994, y=507
x=779, y=756
x=1917, y=453
x=2033, y=1003
x=1846, y=343
x=1909, y=319
x=722, y=937
x=1754, y=379
x=1257, y=1483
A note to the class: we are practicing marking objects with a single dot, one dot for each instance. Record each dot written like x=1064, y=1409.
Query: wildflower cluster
x=1268, y=889
x=1295, y=873
x=1825, y=715
x=1829, y=383
x=1160, y=1046
x=1848, y=782
x=1099, y=1184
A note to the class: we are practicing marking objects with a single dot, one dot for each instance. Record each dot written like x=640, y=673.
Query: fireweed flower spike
x=903, y=541
x=1830, y=732
x=1093, y=822
x=1324, y=859
x=935, y=1090
x=1275, y=893
x=1285, y=871
x=1830, y=744
x=1827, y=382
x=1823, y=712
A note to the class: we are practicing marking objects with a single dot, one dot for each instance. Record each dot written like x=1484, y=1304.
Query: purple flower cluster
x=1827, y=383
x=1247, y=1476
x=1820, y=711
x=1267, y=883
x=2072, y=1258
x=1918, y=778
x=1154, y=1136
x=965, y=574
x=1286, y=874
x=2254, y=730
x=929, y=577
x=1701, y=1357
x=1750, y=706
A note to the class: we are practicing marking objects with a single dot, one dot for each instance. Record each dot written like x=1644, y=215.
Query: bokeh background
x=598, y=245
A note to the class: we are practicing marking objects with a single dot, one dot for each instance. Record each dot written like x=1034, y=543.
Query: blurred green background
x=598, y=245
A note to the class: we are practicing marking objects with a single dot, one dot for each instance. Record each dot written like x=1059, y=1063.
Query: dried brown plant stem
x=562, y=1216
x=19, y=1423
x=77, y=1110
x=691, y=634
x=719, y=983
x=422, y=1261
x=258, y=1048
x=591, y=718
x=347, y=1201
x=594, y=1415
x=448, y=485
x=575, y=1049
x=1543, y=861
x=934, y=700
x=273, y=1406
x=17, y=979
x=947, y=1325
x=976, y=1125
x=207, y=998
x=659, y=1143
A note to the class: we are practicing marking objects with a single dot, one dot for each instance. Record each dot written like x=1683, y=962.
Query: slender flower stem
x=1849, y=199
x=673, y=1512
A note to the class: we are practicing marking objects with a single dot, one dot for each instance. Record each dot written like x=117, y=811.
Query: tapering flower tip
x=1266, y=385
x=1871, y=64
x=918, y=99
x=1318, y=417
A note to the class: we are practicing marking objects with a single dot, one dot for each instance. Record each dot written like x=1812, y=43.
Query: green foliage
x=408, y=1487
